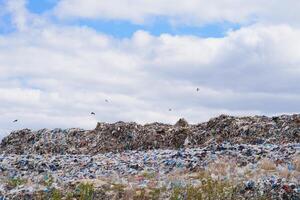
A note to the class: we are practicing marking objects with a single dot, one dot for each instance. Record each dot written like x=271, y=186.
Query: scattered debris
x=158, y=168
x=249, y=157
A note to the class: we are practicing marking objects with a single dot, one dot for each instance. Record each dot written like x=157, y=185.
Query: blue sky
x=123, y=28
x=42, y=6
x=60, y=60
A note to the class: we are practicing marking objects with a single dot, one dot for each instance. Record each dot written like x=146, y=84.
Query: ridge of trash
x=123, y=136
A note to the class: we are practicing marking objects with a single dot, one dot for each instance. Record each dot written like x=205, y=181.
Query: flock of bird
x=93, y=113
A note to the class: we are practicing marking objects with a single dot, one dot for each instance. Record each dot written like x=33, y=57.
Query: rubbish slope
x=123, y=136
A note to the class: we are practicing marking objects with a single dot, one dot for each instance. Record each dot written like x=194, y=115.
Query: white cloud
x=62, y=72
x=19, y=13
x=196, y=12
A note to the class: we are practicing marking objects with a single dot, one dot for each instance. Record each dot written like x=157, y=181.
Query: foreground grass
x=209, y=189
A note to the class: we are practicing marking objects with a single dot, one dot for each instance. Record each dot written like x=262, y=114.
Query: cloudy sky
x=61, y=59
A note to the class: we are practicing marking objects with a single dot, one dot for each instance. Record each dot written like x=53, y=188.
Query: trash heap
x=123, y=136
x=225, y=158
x=258, y=168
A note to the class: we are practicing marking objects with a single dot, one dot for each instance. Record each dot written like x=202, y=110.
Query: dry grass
x=267, y=164
x=296, y=163
x=284, y=173
x=218, y=168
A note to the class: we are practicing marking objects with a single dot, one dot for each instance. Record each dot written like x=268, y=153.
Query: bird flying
x=92, y=113
x=15, y=121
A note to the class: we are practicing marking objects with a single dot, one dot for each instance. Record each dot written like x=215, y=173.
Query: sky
x=60, y=60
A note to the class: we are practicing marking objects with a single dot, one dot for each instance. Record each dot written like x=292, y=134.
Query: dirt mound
x=123, y=136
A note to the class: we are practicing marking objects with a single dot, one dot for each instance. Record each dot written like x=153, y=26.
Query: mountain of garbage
x=123, y=136
x=223, y=159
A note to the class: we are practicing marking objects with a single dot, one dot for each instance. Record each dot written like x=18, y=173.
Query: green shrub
x=148, y=175
x=15, y=182
x=86, y=191
x=177, y=193
x=56, y=194
x=69, y=196
x=209, y=189
x=155, y=193
x=48, y=180
x=140, y=195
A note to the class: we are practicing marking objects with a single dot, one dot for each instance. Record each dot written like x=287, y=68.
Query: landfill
x=225, y=158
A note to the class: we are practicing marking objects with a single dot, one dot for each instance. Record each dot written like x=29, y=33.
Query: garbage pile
x=257, y=167
x=123, y=136
x=225, y=158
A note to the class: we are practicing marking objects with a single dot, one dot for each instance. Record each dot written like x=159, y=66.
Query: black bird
x=92, y=113
x=198, y=89
x=170, y=109
x=106, y=100
x=15, y=121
